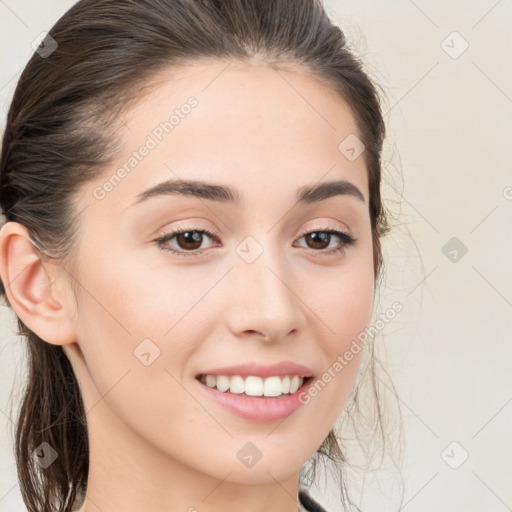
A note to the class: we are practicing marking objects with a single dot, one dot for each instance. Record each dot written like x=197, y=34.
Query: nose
x=265, y=302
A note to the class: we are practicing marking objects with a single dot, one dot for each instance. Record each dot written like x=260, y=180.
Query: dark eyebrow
x=192, y=188
x=221, y=193
x=325, y=190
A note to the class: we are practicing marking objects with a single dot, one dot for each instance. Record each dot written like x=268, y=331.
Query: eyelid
x=328, y=227
x=186, y=227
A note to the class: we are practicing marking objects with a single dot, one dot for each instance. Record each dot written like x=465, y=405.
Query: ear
x=32, y=287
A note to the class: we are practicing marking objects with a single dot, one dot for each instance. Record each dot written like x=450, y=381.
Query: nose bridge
x=266, y=301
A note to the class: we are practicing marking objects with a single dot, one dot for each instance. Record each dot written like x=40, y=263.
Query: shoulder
x=307, y=503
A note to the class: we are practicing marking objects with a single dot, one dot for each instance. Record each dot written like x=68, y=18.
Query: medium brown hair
x=59, y=135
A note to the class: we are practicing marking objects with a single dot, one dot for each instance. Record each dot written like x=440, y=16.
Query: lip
x=279, y=369
x=257, y=409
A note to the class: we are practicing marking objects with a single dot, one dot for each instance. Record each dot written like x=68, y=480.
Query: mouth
x=274, y=386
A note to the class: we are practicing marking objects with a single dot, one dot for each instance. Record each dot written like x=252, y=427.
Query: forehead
x=262, y=129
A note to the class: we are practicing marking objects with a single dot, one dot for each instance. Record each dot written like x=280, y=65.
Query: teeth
x=222, y=383
x=272, y=387
x=295, y=384
x=237, y=384
x=285, y=384
x=211, y=381
x=254, y=386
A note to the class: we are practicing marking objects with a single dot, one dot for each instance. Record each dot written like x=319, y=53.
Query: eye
x=321, y=239
x=188, y=239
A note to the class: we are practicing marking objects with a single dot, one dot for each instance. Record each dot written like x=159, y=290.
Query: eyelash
x=347, y=240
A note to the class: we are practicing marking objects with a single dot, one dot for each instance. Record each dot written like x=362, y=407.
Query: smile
x=253, y=385
x=255, y=398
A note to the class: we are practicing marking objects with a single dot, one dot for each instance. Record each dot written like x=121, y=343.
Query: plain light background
x=445, y=68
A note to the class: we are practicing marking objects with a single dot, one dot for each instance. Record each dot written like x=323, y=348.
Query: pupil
x=191, y=237
x=319, y=235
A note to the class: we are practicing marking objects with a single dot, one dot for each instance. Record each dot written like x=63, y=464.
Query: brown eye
x=187, y=241
x=318, y=239
x=190, y=240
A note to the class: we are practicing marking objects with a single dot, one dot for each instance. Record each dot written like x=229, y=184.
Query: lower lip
x=255, y=408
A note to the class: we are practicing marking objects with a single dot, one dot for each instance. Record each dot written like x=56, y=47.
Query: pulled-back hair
x=59, y=135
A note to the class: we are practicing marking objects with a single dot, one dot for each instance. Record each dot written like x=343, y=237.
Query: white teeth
x=285, y=384
x=254, y=386
x=237, y=385
x=295, y=384
x=272, y=387
x=222, y=383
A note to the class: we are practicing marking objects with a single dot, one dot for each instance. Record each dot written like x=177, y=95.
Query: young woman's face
x=268, y=287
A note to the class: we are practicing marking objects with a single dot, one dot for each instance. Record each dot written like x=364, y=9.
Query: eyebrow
x=220, y=193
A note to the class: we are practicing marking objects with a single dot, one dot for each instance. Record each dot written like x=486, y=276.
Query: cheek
x=347, y=313
x=136, y=336
x=129, y=316
x=343, y=301
x=136, y=296
x=343, y=306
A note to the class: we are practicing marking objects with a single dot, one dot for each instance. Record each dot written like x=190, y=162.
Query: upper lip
x=260, y=370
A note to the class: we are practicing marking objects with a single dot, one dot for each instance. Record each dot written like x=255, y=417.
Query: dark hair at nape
x=59, y=136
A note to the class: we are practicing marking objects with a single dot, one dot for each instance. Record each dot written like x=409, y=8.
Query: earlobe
x=31, y=287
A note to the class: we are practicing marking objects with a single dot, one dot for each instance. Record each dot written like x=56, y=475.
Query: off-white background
x=449, y=351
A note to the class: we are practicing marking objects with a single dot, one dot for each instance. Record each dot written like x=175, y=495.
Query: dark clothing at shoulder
x=308, y=504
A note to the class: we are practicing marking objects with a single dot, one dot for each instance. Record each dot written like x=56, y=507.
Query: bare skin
x=157, y=443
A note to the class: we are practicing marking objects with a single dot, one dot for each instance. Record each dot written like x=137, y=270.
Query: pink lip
x=258, y=409
x=278, y=369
